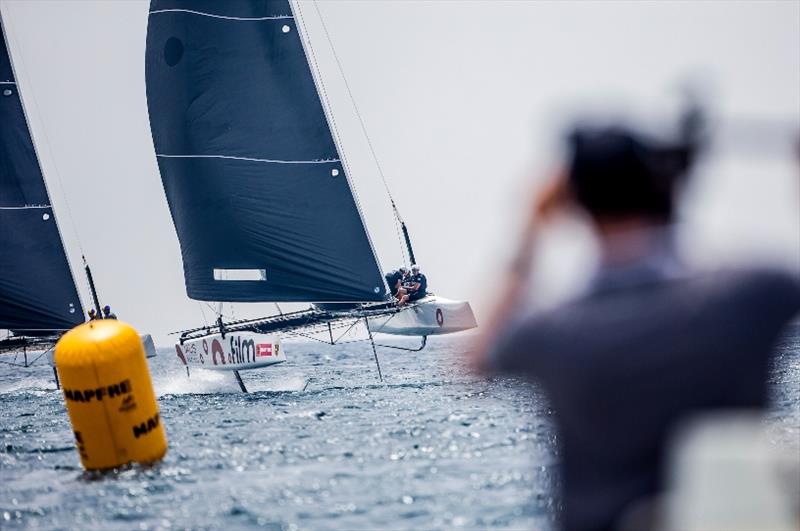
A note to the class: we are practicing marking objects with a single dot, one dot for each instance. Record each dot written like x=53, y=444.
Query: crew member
x=107, y=313
x=395, y=279
x=416, y=287
x=92, y=314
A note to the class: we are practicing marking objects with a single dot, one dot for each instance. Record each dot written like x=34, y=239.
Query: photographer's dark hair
x=616, y=173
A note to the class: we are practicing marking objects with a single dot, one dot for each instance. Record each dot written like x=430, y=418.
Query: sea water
x=319, y=442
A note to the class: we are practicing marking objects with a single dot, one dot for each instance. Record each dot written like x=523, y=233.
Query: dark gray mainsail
x=37, y=291
x=257, y=190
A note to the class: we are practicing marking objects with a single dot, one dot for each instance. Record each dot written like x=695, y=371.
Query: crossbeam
x=287, y=322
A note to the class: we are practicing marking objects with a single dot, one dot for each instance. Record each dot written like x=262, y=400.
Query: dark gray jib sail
x=37, y=291
x=258, y=193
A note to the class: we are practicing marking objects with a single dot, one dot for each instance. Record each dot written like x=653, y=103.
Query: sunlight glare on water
x=430, y=447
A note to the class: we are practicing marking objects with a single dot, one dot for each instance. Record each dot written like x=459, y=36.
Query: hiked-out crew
x=395, y=279
x=415, y=287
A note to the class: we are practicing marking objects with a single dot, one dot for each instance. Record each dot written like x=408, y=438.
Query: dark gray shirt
x=639, y=352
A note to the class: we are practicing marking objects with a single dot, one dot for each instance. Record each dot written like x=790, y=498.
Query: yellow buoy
x=109, y=395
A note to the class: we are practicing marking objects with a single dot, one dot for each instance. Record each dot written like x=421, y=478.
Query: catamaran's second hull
x=147, y=344
x=234, y=352
x=428, y=316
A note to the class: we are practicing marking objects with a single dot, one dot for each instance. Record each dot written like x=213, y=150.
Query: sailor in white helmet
x=416, y=286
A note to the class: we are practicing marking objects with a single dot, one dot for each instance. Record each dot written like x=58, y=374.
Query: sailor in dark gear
x=92, y=314
x=416, y=286
x=107, y=313
x=650, y=343
x=395, y=280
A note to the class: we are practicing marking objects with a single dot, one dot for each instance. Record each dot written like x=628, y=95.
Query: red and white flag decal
x=264, y=349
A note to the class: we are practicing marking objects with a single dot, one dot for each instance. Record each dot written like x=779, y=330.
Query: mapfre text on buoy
x=109, y=395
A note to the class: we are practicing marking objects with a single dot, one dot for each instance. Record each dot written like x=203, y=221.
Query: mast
x=92, y=288
x=403, y=227
x=408, y=242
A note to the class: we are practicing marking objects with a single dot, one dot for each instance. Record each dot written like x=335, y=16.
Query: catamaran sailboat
x=259, y=193
x=39, y=300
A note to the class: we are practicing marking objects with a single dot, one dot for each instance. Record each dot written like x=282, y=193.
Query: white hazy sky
x=460, y=100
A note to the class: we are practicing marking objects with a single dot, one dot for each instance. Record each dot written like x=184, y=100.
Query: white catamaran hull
x=147, y=343
x=428, y=316
x=149, y=346
x=236, y=351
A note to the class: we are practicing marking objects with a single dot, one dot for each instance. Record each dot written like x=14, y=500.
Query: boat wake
x=37, y=386
x=209, y=382
x=200, y=383
x=292, y=384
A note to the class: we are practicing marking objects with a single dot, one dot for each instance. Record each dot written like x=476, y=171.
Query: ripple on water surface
x=318, y=443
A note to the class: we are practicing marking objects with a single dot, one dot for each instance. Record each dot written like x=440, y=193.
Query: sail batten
x=252, y=175
x=249, y=159
x=37, y=290
x=224, y=17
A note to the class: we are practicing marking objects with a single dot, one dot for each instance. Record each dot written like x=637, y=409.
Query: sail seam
x=225, y=17
x=8, y=82
x=23, y=207
x=247, y=159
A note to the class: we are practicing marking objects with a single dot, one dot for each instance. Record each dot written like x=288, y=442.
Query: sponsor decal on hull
x=235, y=351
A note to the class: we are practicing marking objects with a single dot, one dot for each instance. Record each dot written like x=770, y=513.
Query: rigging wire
x=202, y=312
x=215, y=311
x=355, y=107
x=397, y=218
x=9, y=28
x=327, y=109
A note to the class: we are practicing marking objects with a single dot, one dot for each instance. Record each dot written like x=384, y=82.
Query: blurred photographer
x=650, y=343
